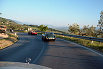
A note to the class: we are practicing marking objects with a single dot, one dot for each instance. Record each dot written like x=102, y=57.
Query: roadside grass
x=12, y=35
x=88, y=43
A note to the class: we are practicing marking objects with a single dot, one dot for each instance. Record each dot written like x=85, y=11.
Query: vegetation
x=88, y=30
x=10, y=24
x=74, y=29
x=43, y=28
x=13, y=25
x=100, y=24
x=24, y=28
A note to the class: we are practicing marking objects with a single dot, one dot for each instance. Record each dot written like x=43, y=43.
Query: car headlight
x=46, y=37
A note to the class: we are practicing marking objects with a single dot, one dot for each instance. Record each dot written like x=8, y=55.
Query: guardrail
x=82, y=37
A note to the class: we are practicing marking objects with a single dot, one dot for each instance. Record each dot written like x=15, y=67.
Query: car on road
x=32, y=33
x=48, y=36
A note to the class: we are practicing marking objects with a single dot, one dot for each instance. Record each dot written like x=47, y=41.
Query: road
x=59, y=54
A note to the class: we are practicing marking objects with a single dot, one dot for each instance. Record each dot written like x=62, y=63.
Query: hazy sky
x=52, y=12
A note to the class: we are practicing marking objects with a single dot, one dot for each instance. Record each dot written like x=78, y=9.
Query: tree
x=74, y=29
x=100, y=23
x=92, y=31
x=89, y=31
x=43, y=28
x=85, y=30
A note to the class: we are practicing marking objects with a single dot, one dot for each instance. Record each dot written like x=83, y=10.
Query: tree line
x=87, y=30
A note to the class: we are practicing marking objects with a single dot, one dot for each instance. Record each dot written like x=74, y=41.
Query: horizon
x=58, y=13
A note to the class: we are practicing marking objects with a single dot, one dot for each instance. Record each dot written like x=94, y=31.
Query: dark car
x=32, y=33
x=48, y=36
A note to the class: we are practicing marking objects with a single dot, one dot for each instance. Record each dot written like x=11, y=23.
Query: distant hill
x=4, y=21
x=64, y=29
x=18, y=22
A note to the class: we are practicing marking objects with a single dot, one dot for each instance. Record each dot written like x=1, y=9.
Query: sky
x=52, y=12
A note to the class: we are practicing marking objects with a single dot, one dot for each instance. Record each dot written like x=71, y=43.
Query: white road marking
x=39, y=54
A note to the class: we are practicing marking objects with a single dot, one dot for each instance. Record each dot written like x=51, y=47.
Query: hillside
x=11, y=24
x=16, y=25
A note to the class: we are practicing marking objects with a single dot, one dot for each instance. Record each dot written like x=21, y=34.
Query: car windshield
x=50, y=35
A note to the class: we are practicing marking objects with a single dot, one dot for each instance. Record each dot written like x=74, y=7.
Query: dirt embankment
x=7, y=40
x=5, y=43
x=2, y=35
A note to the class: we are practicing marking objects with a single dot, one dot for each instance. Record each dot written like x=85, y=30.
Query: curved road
x=59, y=54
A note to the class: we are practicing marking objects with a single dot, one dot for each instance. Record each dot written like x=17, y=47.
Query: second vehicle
x=32, y=33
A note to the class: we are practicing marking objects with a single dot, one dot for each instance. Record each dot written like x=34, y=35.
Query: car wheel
x=42, y=38
x=54, y=40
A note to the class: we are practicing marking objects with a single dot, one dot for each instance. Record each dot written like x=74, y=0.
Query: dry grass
x=3, y=35
x=8, y=41
x=5, y=43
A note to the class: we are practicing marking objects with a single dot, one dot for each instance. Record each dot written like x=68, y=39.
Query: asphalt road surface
x=59, y=54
